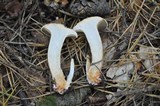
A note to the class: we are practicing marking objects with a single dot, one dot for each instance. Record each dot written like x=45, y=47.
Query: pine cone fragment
x=86, y=8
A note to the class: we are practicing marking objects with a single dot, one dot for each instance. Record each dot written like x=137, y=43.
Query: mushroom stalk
x=89, y=27
x=58, y=35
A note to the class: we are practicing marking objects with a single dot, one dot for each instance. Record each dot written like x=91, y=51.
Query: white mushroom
x=89, y=27
x=58, y=34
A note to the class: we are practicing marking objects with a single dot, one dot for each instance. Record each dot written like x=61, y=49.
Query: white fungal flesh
x=71, y=73
x=58, y=34
x=89, y=27
x=88, y=63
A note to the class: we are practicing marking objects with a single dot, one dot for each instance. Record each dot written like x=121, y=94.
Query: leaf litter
x=131, y=66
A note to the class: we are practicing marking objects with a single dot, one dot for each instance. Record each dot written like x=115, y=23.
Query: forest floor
x=131, y=63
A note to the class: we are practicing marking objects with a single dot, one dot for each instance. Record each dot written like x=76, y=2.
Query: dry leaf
x=40, y=38
x=14, y=8
x=148, y=54
x=121, y=75
x=157, y=68
x=63, y=2
x=55, y=2
x=120, y=72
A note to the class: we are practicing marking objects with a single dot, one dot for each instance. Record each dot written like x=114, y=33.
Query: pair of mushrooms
x=59, y=33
